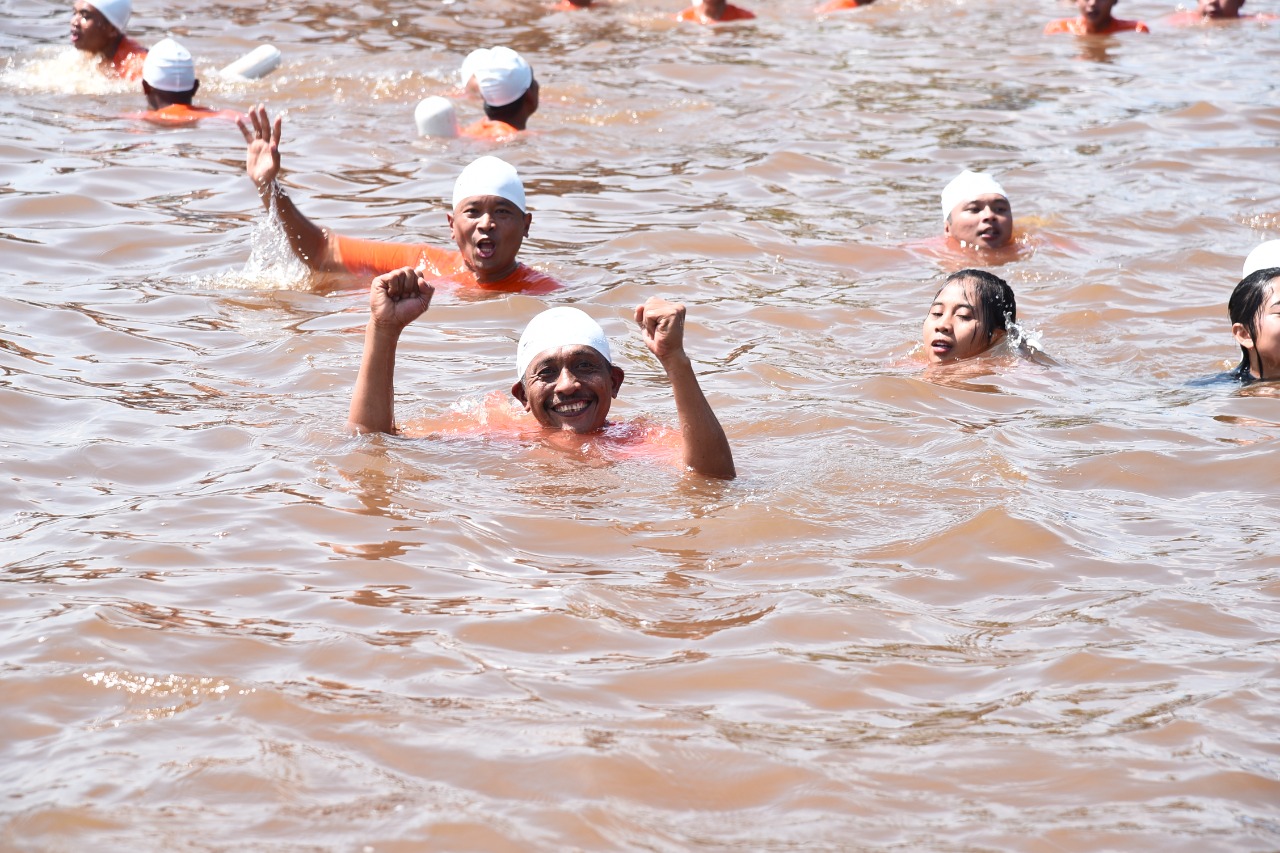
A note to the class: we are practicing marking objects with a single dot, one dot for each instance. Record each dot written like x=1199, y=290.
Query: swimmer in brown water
x=505, y=81
x=713, y=12
x=98, y=29
x=169, y=83
x=566, y=378
x=970, y=314
x=488, y=221
x=1095, y=20
x=976, y=213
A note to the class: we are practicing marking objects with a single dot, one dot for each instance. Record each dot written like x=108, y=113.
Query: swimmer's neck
x=492, y=277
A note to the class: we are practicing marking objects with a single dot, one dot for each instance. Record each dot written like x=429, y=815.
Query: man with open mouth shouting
x=489, y=222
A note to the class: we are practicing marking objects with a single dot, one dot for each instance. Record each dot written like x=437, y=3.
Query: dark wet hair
x=509, y=112
x=1245, y=305
x=995, y=306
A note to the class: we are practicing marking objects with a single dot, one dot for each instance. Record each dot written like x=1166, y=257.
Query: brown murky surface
x=1027, y=608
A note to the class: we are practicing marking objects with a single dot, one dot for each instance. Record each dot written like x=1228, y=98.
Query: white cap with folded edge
x=117, y=12
x=559, y=327
x=169, y=67
x=967, y=186
x=489, y=175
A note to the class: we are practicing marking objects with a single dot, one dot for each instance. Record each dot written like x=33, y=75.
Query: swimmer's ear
x=528, y=220
x=946, y=226
x=448, y=217
x=1241, y=332
x=517, y=391
x=616, y=374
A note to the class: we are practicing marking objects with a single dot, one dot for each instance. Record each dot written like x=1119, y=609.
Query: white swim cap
x=169, y=67
x=116, y=12
x=489, y=176
x=475, y=59
x=503, y=76
x=555, y=328
x=435, y=116
x=967, y=186
x=1263, y=257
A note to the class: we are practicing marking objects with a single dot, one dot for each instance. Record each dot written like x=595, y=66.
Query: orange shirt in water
x=184, y=114
x=566, y=6
x=489, y=130
x=128, y=59
x=438, y=265
x=693, y=15
x=839, y=6
x=1080, y=27
x=497, y=417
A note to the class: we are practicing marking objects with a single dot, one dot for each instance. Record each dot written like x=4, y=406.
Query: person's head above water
x=971, y=313
x=98, y=27
x=976, y=212
x=1096, y=12
x=565, y=376
x=1254, y=309
x=169, y=75
x=489, y=220
x=505, y=81
x=1220, y=8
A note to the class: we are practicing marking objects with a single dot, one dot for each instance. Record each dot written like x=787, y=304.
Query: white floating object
x=435, y=116
x=254, y=65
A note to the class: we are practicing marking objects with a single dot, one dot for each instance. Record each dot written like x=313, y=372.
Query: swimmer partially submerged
x=970, y=314
x=976, y=213
x=566, y=378
x=488, y=220
x=98, y=29
x=1254, y=308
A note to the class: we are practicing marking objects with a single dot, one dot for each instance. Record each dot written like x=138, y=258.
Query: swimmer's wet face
x=1255, y=322
x=569, y=388
x=90, y=31
x=955, y=328
x=489, y=231
x=1220, y=8
x=985, y=222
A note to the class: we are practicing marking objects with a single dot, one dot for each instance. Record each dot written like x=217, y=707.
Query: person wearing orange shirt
x=713, y=12
x=488, y=222
x=565, y=375
x=1095, y=20
x=510, y=92
x=169, y=82
x=1216, y=10
x=98, y=29
x=840, y=5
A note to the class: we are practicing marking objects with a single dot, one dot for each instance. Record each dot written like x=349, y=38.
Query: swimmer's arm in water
x=706, y=448
x=311, y=243
x=396, y=299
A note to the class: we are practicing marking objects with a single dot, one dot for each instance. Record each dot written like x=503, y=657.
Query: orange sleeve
x=128, y=59
x=1053, y=28
x=377, y=257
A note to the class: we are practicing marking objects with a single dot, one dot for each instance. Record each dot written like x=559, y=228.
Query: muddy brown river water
x=1030, y=607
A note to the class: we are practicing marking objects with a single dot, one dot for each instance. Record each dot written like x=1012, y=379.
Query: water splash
x=272, y=265
x=63, y=70
x=1022, y=339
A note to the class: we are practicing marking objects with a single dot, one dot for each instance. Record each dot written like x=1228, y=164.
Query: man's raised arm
x=309, y=241
x=396, y=299
x=706, y=449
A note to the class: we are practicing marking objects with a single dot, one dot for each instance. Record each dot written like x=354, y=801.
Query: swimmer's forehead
x=566, y=352
x=964, y=298
x=485, y=201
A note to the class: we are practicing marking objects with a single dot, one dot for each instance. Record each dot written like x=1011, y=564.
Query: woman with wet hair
x=1254, y=308
x=971, y=313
